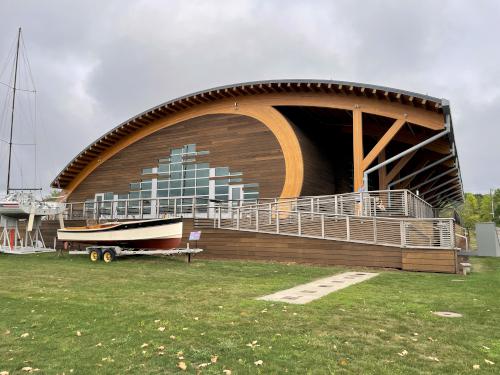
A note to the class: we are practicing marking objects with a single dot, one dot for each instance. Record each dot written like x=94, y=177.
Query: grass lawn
x=68, y=315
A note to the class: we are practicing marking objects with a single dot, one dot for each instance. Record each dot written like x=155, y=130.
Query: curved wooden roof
x=337, y=88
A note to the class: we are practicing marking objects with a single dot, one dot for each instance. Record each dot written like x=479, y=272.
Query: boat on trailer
x=141, y=234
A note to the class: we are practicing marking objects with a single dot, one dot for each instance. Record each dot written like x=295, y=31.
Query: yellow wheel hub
x=94, y=256
x=107, y=257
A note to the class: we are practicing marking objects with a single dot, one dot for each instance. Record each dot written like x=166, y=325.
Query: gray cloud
x=98, y=63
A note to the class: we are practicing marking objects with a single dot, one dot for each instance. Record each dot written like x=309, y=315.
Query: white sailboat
x=20, y=205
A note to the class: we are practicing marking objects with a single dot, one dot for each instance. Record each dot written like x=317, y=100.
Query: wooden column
x=382, y=172
x=357, y=147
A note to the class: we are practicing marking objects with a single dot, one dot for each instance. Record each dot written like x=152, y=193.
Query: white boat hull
x=152, y=234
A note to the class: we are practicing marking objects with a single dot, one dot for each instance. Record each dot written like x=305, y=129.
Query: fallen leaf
x=489, y=362
x=185, y=329
x=433, y=359
x=485, y=347
x=98, y=344
x=27, y=369
x=25, y=334
x=161, y=329
x=476, y=367
x=144, y=345
x=4, y=373
x=172, y=337
x=7, y=333
x=343, y=361
x=214, y=358
x=157, y=320
x=227, y=372
x=161, y=347
x=220, y=307
x=78, y=333
x=196, y=318
x=201, y=365
x=182, y=365
x=403, y=353
x=415, y=334
x=259, y=362
x=431, y=339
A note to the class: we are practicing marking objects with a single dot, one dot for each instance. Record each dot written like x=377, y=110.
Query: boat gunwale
x=135, y=225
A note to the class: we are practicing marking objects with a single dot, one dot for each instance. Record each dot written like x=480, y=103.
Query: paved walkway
x=314, y=290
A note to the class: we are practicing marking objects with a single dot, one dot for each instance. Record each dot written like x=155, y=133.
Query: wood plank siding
x=239, y=142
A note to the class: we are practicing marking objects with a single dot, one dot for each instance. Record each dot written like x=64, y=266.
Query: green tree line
x=478, y=208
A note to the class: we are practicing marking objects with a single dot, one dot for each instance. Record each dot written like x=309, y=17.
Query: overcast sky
x=98, y=63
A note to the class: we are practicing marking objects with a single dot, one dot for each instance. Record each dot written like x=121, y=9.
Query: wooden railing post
x=299, y=224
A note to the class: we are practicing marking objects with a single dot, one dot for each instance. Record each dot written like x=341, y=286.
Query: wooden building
x=268, y=140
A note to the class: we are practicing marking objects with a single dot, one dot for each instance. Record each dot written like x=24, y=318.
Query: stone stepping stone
x=305, y=293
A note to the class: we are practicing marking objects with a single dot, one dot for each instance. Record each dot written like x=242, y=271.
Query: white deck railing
x=401, y=232
x=383, y=203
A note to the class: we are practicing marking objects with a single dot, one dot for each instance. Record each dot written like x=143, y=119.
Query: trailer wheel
x=108, y=256
x=94, y=255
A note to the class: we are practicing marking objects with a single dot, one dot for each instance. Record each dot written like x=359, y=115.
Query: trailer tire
x=95, y=255
x=108, y=255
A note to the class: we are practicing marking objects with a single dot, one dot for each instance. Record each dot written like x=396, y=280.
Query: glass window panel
x=221, y=197
x=221, y=190
x=203, y=173
x=189, y=183
x=201, y=201
x=202, y=182
x=176, y=175
x=201, y=153
x=146, y=194
x=122, y=196
x=251, y=195
x=135, y=186
x=176, y=151
x=236, y=193
x=133, y=195
x=175, y=184
x=164, y=202
x=190, y=167
x=162, y=184
x=176, y=158
x=235, y=180
x=147, y=170
x=188, y=191
x=175, y=167
x=202, y=166
x=175, y=192
x=146, y=185
x=188, y=201
x=251, y=187
x=190, y=174
x=222, y=171
x=162, y=193
x=202, y=191
x=221, y=181
x=163, y=168
x=191, y=147
x=108, y=196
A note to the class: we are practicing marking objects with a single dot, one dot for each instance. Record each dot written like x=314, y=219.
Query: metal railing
x=427, y=233
x=385, y=203
x=382, y=203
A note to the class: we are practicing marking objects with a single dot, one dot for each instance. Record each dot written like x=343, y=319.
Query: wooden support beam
x=382, y=143
x=399, y=165
x=357, y=146
x=382, y=172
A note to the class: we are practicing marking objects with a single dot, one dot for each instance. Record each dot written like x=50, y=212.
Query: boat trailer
x=109, y=253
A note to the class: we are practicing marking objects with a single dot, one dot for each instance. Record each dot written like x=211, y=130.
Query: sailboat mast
x=13, y=107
